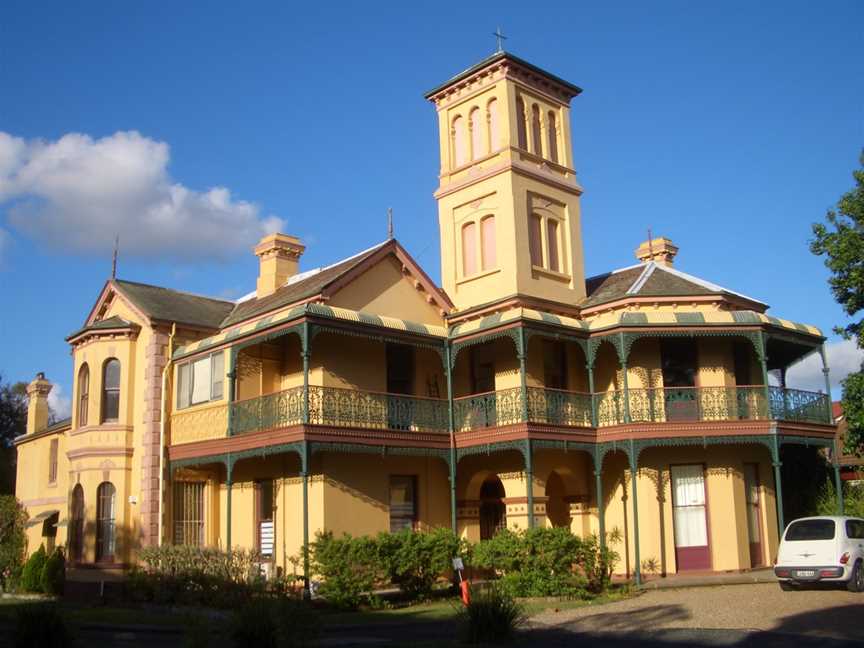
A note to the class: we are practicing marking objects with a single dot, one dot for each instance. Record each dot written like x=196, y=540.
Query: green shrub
x=52, y=580
x=415, y=561
x=597, y=563
x=31, y=575
x=350, y=568
x=40, y=625
x=13, y=540
x=178, y=574
x=853, y=499
x=274, y=623
x=492, y=616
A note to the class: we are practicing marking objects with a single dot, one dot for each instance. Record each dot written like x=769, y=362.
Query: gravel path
x=762, y=607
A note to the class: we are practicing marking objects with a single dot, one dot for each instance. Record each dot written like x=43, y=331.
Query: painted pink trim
x=487, y=237
x=469, y=251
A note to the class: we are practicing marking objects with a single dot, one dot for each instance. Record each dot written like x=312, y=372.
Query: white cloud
x=60, y=405
x=76, y=193
x=843, y=358
x=5, y=241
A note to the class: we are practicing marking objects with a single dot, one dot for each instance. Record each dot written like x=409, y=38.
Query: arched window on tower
x=552, y=242
x=83, y=394
x=487, y=241
x=553, y=137
x=477, y=149
x=111, y=391
x=537, y=144
x=469, y=249
x=105, y=513
x=535, y=240
x=522, y=137
x=492, y=117
x=76, y=525
x=460, y=142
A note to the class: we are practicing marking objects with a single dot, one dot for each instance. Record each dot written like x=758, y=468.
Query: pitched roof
x=650, y=280
x=174, y=305
x=105, y=324
x=306, y=284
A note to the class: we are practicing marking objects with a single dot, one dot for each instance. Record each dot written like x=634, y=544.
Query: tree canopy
x=13, y=422
x=841, y=241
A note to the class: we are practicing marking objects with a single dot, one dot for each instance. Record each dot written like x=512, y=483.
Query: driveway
x=740, y=610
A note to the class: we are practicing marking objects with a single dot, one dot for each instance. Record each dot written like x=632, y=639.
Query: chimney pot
x=37, y=403
x=660, y=250
x=279, y=259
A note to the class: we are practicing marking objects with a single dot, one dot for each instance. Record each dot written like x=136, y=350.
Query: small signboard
x=458, y=565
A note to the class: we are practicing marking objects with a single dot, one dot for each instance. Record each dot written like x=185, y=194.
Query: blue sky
x=728, y=127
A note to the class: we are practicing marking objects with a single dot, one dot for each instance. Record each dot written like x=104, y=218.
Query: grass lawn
x=448, y=609
x=106, y=615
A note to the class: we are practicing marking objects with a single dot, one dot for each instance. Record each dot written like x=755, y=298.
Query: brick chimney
x=279, y=259
x=660, y=250
x=37, y=405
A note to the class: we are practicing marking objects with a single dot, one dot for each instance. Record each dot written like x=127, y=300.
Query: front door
x=754, y=513
x=678, y=362
x=689, y=517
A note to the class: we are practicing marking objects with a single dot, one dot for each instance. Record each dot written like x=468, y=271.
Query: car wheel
x=786, y=586
x=856, y=582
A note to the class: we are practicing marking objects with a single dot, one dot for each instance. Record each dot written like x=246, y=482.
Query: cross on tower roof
x=500, y=38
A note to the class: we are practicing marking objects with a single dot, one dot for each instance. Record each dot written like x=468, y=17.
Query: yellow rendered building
x=361, y=397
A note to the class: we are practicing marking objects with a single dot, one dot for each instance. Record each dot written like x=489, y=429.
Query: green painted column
x=763, y=362
x=448, y=370
x=529, y=479
x=838, y=486
x=229, y=482
x=232, y=387
x=590, y=368
x=626, y=393
x=598, y=488
x=634, y=466
x=826, y=373
x=304, y=474
x=305, y=353
x=778, y=484
x=522, y=352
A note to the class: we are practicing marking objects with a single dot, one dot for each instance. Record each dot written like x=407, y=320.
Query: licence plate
x=805, y=573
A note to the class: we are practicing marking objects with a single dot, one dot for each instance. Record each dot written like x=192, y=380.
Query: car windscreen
x=811, y=530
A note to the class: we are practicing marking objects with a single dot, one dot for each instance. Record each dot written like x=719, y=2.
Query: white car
x=827, y=549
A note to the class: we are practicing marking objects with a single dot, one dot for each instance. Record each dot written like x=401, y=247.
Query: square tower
x=508, y=198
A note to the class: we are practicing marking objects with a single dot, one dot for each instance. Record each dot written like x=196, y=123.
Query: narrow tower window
x=83, y=394
x=520, y=124
x=552, y=242
x=535, y=131
x=553, y=137
x=469, y=251
x=105, y=545
x=492, y=115
x=476, y=135
x=487, y=239
x=535, y=239
x=460, y=143
x=111, y=391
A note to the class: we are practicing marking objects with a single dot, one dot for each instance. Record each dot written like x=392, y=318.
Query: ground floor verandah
x=666, y=505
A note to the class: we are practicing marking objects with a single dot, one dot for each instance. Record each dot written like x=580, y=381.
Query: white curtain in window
x=183, y=385
x=218, y=375
x=201, y=380
x=688, y=501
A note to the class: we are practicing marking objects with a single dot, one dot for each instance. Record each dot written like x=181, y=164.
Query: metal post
x=229, y=482
x=634, y=464
x=523, y=380
x=598, y=487
x=763, y=361
x=232, y=387
x=778, y=484
x=304, y=474
x=626, y=394
x=448, y=371
x=827, y=374
x=529, y=477
x=592, y=395
x=304, y=344
x=838, y=482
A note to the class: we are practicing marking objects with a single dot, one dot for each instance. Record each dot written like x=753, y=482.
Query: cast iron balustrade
x=670, y=404
x=375, y=410
x=800, y=406
x=488, y=410
x=267, y=412
x=559, y=407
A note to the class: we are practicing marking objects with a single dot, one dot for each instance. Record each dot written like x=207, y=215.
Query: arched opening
x=521, y=135
x=536, y=137
x=492, y=117
x=76, y=525
x=460, y=142
x=557, y=507
x=493, y=512
x=488, y=258
x=553, y=137
x=111, y=391
x=105, y=529
x=469, y=249
x=476, y=134
x=83, y=394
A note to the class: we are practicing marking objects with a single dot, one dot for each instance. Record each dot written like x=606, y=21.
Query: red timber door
x=754, y=513
x=690, y=517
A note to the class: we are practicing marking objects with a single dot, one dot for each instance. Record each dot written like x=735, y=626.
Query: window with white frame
x=201, y=380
